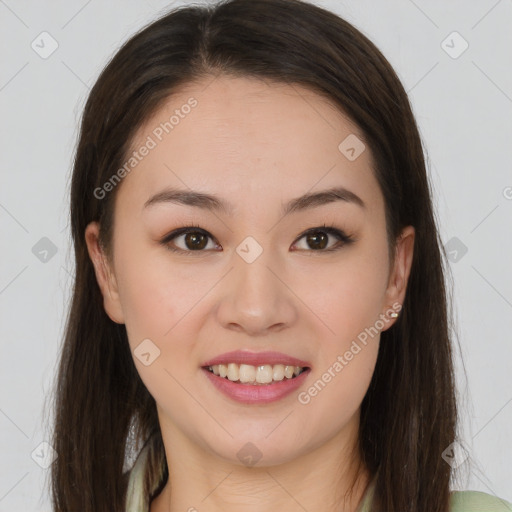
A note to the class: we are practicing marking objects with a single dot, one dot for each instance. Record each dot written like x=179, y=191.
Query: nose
x=256, y=298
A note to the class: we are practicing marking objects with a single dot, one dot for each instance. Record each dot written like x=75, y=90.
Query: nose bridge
x=256, y=300
x=252, y=272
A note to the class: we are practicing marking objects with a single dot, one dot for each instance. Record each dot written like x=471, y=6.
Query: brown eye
x=187, y=240
x=195, y=240
x=317, y=240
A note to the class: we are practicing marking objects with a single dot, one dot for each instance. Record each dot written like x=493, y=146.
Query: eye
x=318, y=238
x=193, y=239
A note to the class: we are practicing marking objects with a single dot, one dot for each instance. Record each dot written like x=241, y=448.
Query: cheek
x=349, y=347
x=347, y=295
x=155, y=309
x=148, y=291
x=336, y=393
x=147, y=306
x=162, y=302
x=346, y=363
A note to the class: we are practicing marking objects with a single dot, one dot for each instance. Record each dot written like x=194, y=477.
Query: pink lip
x=254, y=393
x=256, y=359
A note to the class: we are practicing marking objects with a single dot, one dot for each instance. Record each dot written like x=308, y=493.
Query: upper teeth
x=263, y=374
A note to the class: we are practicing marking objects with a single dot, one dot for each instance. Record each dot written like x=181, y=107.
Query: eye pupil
x=318, y=237
x=197, y=240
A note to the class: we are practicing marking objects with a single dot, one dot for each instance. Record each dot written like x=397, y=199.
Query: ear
x=104, y=274
x=399, y=275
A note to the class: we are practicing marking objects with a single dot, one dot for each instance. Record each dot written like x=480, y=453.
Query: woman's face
x=247, y=276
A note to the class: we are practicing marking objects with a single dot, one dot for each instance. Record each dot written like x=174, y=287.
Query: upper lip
x=256, y=359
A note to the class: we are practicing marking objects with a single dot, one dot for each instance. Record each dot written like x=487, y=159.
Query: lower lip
x=256, y=394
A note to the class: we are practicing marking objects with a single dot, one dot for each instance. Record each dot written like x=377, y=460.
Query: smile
x=249, y=374
x=253, y=392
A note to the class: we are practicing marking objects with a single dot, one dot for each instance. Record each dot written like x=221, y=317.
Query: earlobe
x=104, y=274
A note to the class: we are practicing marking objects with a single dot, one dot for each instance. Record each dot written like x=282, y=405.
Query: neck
x=330, y=478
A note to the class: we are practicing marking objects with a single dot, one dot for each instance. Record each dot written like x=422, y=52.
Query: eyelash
x=330, y=230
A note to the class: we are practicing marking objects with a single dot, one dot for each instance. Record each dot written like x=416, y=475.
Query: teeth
x=233, y=371
x=248, y=374
x=289, y=371
x=278, y=372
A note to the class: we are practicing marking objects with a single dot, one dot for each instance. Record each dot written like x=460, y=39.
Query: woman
x=259, y=305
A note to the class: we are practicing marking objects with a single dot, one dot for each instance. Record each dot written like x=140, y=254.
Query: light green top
x=138, y=499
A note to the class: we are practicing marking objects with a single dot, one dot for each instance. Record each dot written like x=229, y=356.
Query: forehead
x=228, y=134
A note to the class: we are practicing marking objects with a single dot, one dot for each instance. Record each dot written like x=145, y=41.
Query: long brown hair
x=408, y=416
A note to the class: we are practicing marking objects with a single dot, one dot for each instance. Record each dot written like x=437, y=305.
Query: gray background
x=463, y=106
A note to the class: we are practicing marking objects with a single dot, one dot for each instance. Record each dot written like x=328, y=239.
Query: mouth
x=261, y=375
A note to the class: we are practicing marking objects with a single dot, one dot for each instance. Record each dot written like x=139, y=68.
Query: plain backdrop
x=462, y=99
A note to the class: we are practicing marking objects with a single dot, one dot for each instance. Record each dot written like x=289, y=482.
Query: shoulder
x=137, y=498
x=475, y=501
x=146, y=478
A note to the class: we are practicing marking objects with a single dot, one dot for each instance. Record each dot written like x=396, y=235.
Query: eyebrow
x=214, y=203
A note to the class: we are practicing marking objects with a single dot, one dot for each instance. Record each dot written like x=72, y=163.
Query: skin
x=253, y=143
